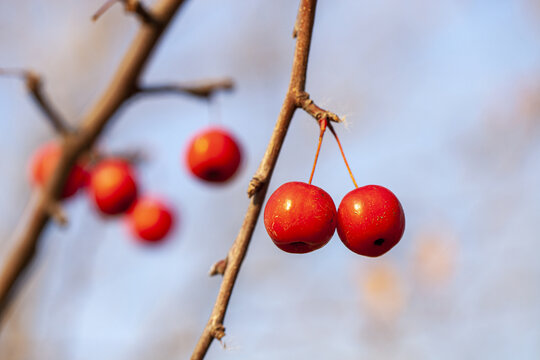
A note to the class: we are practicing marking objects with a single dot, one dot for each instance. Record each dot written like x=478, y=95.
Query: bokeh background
x=442, y=106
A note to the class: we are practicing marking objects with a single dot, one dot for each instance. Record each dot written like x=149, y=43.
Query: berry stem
x=342, y=154
x=323, y=122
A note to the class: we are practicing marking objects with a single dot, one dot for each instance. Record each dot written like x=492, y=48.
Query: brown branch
x=134, y=157
x=203, y=89
x=19, y=255
x=132, y=6
x=34, y=84
x=214, y=328
x=57, y=213
x=137, y=8
x=103, y=9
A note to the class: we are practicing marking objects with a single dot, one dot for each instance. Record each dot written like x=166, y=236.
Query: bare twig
x=295, y=29
x=134, y=157
x=57, y=213
x=132, y=6
x=136, y=7
x=34, y=84
x=218, y=268
x=123, y=85
x=103, y=9
x=312, y=109
x=214, y=328
x=203, y=89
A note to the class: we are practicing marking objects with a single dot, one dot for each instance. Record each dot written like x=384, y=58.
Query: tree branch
x=214, y=328
x=134, y=157
x=123, y=85
x=34, y=84
x=203, y=89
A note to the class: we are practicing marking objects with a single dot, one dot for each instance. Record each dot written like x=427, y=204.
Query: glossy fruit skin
x=113, y=186
x=150, y=220
x=300, y=217
x=43, y=164
x=370, y=220
x=213, y=155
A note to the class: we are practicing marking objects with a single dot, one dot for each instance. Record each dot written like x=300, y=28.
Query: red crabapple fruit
x=370, y=220
x=213, y=155
x=43, y=164
x=300, y=217
x=113, y=186
x=150, y=220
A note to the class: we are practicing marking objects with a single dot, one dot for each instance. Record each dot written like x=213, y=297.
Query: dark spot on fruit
x=212, y=174
x=299, y=247
x=378, y=242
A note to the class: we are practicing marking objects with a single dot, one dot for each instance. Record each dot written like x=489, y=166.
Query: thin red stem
x=342, y=153
x=323, y=124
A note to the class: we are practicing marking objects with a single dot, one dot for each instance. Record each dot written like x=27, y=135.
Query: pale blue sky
x=430, y=91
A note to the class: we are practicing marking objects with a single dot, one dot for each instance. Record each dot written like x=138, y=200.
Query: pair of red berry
x=300, y=217
x=113, y=188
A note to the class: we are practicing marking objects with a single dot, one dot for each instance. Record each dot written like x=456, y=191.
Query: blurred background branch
x=201, y=89
x=132, y=6
x=123, y=85
x=34, y=84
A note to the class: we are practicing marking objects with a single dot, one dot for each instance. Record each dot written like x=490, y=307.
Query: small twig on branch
x=103, y=9
x=255, y=185
x=34, y=84
x=312, y=109
x=57, y=213
x=214, y=328
x=131, y=6
x=218, y=268
x=134, y=157
x=203, y=89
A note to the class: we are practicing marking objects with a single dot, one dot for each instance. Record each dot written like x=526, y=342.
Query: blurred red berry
x=113, y=186
x=43, y=164
x=150, y=220
x=213, y=155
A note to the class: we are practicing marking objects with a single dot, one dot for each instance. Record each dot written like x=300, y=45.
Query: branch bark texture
x=258, y=186
x=123, y=85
